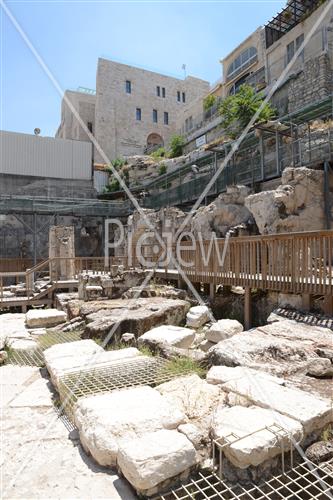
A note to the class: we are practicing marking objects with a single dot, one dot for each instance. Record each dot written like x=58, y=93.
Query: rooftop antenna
x=184, y=69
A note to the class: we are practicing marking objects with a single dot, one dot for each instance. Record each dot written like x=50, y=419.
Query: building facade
x=83, y=100
x=133, y=110
x=263, y=61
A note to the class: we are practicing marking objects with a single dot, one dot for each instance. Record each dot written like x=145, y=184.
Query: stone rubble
x=197, y=316
x=257, y=444
x=105, y=421
x=44, y=318
x=131, y=315
x=168, y=334
x=313, y=413
x=223, y=329
x=148, y=461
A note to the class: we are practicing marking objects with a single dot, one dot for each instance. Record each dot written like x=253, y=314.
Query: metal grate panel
x=123, y=374
x=306, y=481
x=34, y=357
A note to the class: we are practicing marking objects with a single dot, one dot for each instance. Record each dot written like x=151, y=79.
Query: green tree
x=209, y=101
x=237, y=110
x=176, y=145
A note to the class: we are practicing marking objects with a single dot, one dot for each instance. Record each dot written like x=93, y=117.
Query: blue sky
x=71, y=35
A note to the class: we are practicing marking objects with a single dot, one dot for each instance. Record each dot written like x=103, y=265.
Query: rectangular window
x=183, y=95
x=158, y=91
x=290, y=51
x=155, y=115
x=128, y=87
x=178, y=96
x=163, y=91
x=299, y=43
x=166, y=118
x=138, y=114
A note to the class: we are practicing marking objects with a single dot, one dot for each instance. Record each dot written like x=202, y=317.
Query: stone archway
x=154, y=140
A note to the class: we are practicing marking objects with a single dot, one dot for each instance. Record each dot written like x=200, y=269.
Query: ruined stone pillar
x=62, y=251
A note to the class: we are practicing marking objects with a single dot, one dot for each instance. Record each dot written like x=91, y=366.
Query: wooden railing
x=293, y=262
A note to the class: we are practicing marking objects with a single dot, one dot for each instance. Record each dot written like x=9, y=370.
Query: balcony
x=295, y=12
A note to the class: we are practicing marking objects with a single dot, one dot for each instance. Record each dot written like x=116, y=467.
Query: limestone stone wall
x=118, y=131
x=17, y=240
x=312, y=84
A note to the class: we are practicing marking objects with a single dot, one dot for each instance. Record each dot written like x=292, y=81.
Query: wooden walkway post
x=247, y=308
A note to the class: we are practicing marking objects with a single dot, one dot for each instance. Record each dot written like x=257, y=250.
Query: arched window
x=244, y=60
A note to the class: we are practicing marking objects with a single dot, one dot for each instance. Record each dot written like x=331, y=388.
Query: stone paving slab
x=39, y=460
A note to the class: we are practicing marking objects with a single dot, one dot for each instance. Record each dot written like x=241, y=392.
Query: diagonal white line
x=94, y=141
x=238, y=142
x=94, y=358
x=134, y=201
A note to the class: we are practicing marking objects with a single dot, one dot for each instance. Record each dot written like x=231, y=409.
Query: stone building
x=133, y=109
x=263, y=58
x=83, y=100
x=309, y=78
x=244, y=63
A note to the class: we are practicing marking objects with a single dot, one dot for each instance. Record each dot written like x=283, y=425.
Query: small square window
x=183, y=96
x=166, y=118
x=163, y=91
x=138, y=114
x=158, y=91
x=178, y=96
x=128, y=87
x=155, y=115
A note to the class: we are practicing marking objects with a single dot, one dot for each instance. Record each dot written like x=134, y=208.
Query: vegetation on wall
x=159, y=154
x=120, y=165
x=238, y=110
x=175, y=149
x=176, y=145
x=209, y=101
x=162, y=169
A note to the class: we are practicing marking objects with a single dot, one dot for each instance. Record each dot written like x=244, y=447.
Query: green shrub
x=113, y=186
x=158, y=154
x=183, y=365
x=176, y=145
x=118, y=163
x=238, y=110
x=162, y=169
x=209, y=101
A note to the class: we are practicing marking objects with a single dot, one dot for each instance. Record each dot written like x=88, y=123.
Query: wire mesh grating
x=34, y=357
x=123, y=374
x=305, y=481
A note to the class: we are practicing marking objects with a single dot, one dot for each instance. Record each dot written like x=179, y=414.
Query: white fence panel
x=23, y=154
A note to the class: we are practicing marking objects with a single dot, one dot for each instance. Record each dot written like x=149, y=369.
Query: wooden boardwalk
x=298, y=263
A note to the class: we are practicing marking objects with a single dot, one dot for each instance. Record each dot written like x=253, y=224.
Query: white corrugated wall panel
x=23, y=154
x=101, y=179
